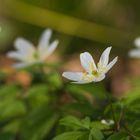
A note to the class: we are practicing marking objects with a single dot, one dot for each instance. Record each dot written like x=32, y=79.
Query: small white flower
x=135, y=53
x=107, y=122
x=28, y=54
x=92, y=72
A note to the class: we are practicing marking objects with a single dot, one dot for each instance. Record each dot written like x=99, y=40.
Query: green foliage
x=55, y=80
x=10, y=105
x=71, y=136
x=88, y=99
x=96, y=134
x=38, y=127
x=28, y=114
x=37, y=95
x=131, y=105
x=34, y=113
x=119, y=136
x=125, y=112
x=80, y=129
x=75, y=123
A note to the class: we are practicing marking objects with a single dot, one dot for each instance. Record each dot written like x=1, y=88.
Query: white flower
x=135, y=53
x=28, y=54
x=107, y=122
x=92, y=72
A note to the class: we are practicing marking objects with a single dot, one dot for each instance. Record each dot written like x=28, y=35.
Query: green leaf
x=70, y=136
x=55, y=80
x=83, y=108
x=132, y=100
x=11, y=108
x=99, y=125
x=78, y=94
x=10, y=91
x=39, y=123
x=118, y=136
x=37, y=95
x=86, y=122
x=3, y=75
x=13, y=126
x=72, y=122
x=136, y=126
x=90, y=137
x=97, y=134
x=93, y=90
x=7, y=136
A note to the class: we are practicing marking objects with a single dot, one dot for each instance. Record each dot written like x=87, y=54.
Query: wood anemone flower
x=92, y=72
x=27, y=54
x=135, y=53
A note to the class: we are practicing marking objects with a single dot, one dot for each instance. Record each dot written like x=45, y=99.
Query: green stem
x=112, y=110
x=42, y=69
x=120, y=118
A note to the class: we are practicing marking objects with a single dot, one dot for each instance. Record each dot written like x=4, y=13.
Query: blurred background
x=79, y=25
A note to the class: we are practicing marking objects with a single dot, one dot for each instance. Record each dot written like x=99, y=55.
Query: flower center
x=86, y=76
x=35, y=55
x=94, y=73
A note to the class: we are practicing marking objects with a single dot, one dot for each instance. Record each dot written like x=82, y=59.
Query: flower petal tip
x=84, y=53
x=117, y=58
x=109, y=48
x=137, y=42
x=49, y=30
x=63, y=74
x=57, y=42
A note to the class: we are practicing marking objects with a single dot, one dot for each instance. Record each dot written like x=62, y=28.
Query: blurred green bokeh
x=79, y=24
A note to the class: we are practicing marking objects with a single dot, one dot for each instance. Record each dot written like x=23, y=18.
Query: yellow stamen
x=92, y=66
x=87, y=77
x=35, y=55
x=95, y=73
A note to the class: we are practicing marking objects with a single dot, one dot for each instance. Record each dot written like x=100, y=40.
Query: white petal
x=111, y=64
x=104, y=59
x=45, y=38
x=109, y=122
x=134, y=53
x=137, y=42
x=87, y=62
x=15, y=55
x=74, y=76
x=103, y=121
x=22, y=56
x=99, y=78
x=44, y=53
x=77, y=77
x=26, y=49
x=23, y=45
x=52, y=47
